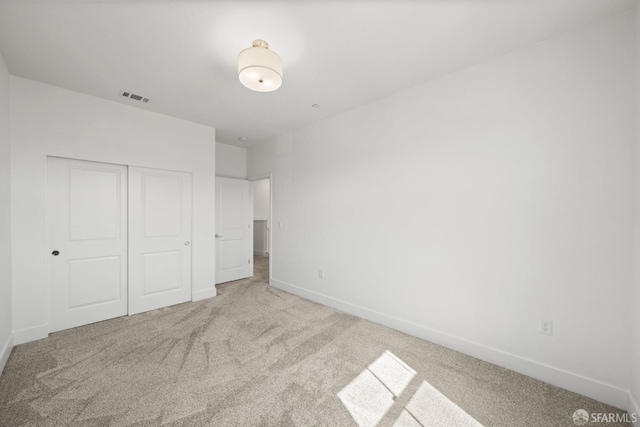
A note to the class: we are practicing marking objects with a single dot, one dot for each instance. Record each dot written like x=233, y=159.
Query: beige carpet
x=256, y=356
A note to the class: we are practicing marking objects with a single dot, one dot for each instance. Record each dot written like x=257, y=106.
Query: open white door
x=87, y=236
x=234, y=237
x=159, y=238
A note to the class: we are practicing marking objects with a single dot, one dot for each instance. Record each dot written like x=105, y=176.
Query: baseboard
x=634, y=410
x=261, y=253
x=6, y=351
x=589, y=387
x=203, y=294
x=30, y=334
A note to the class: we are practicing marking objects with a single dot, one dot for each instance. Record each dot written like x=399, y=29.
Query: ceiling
x=338, y=54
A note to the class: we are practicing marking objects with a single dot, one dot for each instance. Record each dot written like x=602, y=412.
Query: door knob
x=186, y=243
x=55, y=253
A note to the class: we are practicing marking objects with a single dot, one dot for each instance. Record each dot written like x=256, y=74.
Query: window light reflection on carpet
x=370, y=395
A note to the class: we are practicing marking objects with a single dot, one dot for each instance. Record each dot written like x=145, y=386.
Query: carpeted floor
x=257, y=356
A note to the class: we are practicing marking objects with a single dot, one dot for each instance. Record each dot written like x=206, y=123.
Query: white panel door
x=234, y=237
x=87, y=239
x=159, y=238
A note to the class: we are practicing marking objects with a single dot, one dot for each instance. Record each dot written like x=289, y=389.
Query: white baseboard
x=634, y=410
x=6, y=351
x=30, y=334
x=203, y=294
x=589, y=387
x=261, y=253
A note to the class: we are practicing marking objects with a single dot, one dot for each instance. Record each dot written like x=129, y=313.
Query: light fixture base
x=260, y=43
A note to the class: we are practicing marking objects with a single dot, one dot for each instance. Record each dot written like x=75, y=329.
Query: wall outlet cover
x=546, y=327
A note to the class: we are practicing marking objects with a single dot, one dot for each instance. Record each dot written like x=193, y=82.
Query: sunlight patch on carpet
x=372, y=393
x=431, y=408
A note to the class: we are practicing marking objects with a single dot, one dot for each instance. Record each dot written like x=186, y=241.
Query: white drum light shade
x=259, y=68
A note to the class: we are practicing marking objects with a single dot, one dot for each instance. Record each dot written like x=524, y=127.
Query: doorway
x=262, y=222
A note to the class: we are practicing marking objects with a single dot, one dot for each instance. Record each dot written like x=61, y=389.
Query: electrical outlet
x=321, y=274
x=546, y=327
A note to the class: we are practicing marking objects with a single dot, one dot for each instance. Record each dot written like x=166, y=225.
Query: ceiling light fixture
x=243, y=138
x=259, y=68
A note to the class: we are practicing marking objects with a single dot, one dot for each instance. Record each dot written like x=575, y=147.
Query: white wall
x=261, y=200
x=634, y=400
x=260, y=238
x=47, y=120
x=6, y=341
x=231, y=162
x=467, y=209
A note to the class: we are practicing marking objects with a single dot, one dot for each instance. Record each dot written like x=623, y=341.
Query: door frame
x=269, y=176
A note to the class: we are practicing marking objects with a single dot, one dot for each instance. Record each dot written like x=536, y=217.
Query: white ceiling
x=339, y=54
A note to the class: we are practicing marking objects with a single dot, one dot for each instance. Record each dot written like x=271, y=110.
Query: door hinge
x=249, y=261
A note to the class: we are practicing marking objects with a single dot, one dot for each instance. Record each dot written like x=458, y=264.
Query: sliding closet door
x=87, y=237
x=159, y=238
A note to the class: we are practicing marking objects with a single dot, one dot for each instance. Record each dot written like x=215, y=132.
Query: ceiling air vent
x=133, y=96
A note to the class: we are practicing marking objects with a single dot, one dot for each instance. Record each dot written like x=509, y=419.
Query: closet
x=119, y=240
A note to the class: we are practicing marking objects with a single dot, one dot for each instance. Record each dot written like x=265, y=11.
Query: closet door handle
x=55, y=253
